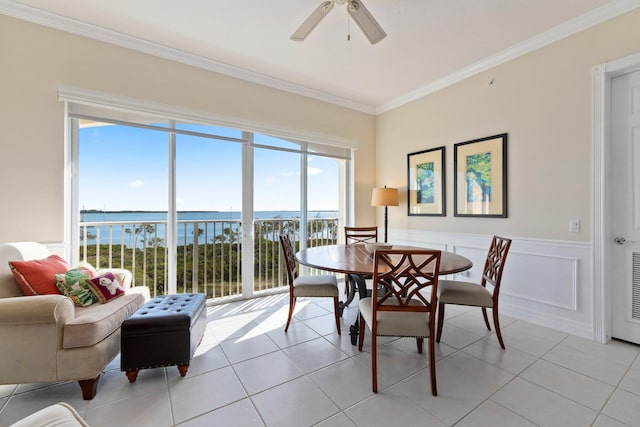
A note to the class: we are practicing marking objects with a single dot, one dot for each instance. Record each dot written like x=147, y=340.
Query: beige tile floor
x=248, y=372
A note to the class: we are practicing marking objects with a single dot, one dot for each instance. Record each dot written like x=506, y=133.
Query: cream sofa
x=46, y=338
x=58, y=415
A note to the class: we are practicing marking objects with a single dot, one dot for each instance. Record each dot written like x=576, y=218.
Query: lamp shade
x=384, y=197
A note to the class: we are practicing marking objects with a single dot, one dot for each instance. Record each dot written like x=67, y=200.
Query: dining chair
x=478, y=295
x=324, y=285
x=398, y=306
x=353, y=235
x=360, y=234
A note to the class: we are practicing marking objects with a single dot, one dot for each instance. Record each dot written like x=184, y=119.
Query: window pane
x=276, y=211
x=323, y=200
x=123, y=197
x=209, y=201
x=123, y=168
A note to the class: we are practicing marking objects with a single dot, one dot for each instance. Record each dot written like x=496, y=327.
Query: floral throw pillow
x=73, y=284
x=106, y=287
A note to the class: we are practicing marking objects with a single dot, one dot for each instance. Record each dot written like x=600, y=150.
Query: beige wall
x=37, y=60
x=543, y=101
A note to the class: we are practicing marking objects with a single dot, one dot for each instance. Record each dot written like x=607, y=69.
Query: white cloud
x=313, y=171
x=136, y=184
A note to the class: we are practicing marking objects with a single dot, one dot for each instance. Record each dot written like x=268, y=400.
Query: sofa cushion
x=36, y=277
x=105, y=287
x=73, y=284
x=59, y=415
x=94, y=323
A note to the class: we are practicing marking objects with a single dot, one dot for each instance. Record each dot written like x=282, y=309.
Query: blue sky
x=125, y=168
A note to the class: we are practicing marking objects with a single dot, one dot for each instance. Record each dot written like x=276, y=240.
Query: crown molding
x=555, y=34
x=52, y=20
x=48, y=19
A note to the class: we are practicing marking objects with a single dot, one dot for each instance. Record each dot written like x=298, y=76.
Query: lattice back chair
x=478, y=295
x=403, y=302
x=353, y=235
x=360, y=234
x=323, y=285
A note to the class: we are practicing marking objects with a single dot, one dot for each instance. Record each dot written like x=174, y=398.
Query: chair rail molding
x=546, y=282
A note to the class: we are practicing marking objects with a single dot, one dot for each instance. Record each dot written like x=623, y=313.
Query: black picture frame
x=480, y=177
x=426, y=182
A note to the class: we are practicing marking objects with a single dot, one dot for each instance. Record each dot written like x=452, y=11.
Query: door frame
x=602, y=298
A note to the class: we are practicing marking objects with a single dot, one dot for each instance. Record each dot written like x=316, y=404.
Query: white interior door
x=623, y=207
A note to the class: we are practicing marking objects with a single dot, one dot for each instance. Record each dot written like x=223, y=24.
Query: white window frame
x=91, y=102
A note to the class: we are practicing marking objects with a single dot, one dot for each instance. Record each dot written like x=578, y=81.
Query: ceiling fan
x=360, y=14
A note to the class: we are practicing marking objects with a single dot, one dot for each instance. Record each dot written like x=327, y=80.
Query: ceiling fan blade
x=312, y=21
x=367, y=23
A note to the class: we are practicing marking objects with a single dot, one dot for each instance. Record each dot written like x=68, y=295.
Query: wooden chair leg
x=292, y=305
x=420, y=342
x=374, y=363
x=496, y=323
x=440, y=321
x=360, y=332
x=486, y=318
x=336, y=310
x=89, y=387
x=432, y=366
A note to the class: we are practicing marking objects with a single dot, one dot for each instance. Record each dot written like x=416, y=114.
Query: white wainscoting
x=545, y=282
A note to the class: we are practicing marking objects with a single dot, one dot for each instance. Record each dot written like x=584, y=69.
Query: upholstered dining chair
x=403, y=302
x=324, y=285
x=478, y=294
x=360, y=234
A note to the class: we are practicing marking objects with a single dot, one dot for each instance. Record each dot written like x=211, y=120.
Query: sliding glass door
x=192, y=207
x=208, y=201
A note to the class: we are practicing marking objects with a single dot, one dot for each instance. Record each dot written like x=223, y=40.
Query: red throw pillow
x=36, y=277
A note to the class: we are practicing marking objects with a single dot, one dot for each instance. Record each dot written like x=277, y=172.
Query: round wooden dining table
x=357, y=263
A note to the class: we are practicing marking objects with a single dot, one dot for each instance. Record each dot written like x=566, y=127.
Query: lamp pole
x=386, y=222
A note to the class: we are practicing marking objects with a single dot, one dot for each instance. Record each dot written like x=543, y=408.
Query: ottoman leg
x=183, y=368
x=132, y=375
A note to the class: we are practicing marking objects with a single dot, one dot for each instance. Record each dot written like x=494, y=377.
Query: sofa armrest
x=35, y=310
x=32, y=330
x=123, y=275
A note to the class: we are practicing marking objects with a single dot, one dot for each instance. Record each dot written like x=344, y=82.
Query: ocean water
x=122, y=233
x=114, y=216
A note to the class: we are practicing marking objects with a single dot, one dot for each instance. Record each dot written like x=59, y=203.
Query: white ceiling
x=430, y=43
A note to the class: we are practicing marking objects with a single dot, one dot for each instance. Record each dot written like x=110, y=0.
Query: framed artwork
x=480, y=177
x=426, y=178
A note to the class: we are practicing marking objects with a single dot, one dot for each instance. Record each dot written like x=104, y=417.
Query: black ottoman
x=164, y=332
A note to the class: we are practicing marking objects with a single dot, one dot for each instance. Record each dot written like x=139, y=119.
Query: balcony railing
x=208, y=252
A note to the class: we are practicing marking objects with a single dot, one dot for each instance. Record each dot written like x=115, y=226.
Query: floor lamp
x=385, y=197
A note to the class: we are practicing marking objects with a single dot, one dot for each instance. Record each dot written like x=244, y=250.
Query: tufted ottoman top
x=165, y=313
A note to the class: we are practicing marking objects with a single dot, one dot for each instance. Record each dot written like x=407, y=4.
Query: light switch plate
x=574, y=226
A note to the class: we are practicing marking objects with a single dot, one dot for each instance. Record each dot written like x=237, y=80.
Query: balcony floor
x=248, y=372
